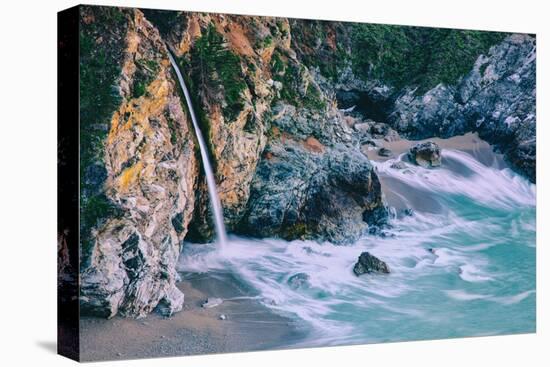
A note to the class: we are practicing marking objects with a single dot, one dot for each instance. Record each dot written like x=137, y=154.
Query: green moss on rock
x=146, y=71
x=217, y=70
x=417, y=56
x=291, y=76
x=101, y=52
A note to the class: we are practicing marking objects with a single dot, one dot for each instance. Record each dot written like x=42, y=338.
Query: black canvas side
x=68, y=183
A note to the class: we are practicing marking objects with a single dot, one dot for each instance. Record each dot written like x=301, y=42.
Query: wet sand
x=248, y=326
x=470, y=143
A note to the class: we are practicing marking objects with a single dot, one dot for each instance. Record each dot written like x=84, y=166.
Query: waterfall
x=210, y=181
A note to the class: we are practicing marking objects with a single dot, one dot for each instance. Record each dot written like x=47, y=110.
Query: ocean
x=463, y=264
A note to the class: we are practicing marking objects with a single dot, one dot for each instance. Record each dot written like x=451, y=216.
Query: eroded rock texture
x=287, y=115
x=151, y=172
x=496, y=98
x=284, y=156
x=314, y=186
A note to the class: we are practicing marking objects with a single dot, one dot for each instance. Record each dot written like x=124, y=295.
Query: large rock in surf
x=426, y=154
x=368, y=263
x=301, y=194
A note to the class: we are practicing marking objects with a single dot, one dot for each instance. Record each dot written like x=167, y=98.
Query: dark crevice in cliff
x=364, y=104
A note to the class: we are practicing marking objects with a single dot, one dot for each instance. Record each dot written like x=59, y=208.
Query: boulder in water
x=368, y=263
x=409, y=212
x=426, y=154
x=300, y=194
x=385, y=152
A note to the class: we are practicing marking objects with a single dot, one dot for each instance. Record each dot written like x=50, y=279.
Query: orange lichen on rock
x=138, y=110
x=238, y=40
x=129, y=177
x=314, y=145
x=193, y=32
x=331, y=39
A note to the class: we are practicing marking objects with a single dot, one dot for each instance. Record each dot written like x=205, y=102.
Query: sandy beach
x=417, y=199
x=470, y=143
x=248, y=326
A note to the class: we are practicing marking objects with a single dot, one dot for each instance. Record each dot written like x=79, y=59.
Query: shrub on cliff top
x=417, y=56
x=217, y=70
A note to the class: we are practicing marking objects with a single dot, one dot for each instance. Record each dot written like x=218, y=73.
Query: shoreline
x=249, y=325
x=418, y=199
x=469, y=143
x=194, y=330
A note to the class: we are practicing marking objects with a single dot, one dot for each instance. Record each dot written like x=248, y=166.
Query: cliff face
x=432, y=82
x=279, y=144
x=226, y=62
x=267, y=122
x=150, y=175
x=268, y=93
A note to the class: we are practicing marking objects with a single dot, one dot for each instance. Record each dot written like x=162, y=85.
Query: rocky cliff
x=270, y=94
x=496, y=98
x=427, y=82
x=145, y=172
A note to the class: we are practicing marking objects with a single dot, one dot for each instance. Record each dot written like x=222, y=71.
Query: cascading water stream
x=210, y=181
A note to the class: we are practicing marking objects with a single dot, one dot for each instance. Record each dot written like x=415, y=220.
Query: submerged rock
x=426, y=154
x=368, y=263
x=385, y=152
x=398, y=165
x=409, y=212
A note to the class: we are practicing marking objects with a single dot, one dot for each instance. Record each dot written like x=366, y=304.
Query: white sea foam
x=489, y=185
x=461, y=295
x=465, y=296
x=471, y=273
x=428, y=252
x=511, y=300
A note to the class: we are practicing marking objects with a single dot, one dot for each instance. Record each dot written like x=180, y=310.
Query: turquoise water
x=462, y=265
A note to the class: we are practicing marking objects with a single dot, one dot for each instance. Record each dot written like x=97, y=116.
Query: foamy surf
x=465, y=270
x=500, y=188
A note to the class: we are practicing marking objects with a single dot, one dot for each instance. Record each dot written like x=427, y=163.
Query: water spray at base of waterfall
x=210, y=180
x=460, y=268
